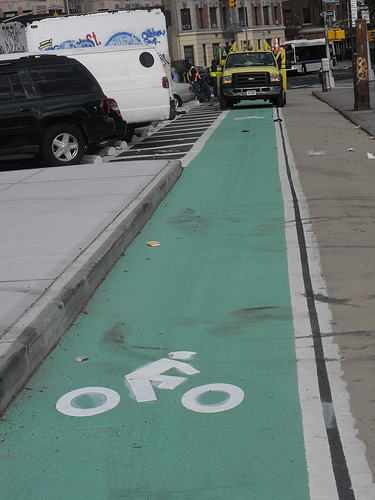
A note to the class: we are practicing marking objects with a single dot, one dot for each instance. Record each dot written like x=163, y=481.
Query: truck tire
x=280, y=100
x=63, y=145
x=223, y=103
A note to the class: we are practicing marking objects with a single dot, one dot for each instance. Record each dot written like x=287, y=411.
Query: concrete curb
x=346, y=114
x=32, y=337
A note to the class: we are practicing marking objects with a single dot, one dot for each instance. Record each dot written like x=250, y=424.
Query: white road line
x=321, y=478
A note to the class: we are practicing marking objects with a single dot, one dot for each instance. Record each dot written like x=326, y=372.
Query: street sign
x=354, y=11
x=364, y=13
x=329, y=13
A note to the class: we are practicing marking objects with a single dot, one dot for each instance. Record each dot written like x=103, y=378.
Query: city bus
x=306, y=55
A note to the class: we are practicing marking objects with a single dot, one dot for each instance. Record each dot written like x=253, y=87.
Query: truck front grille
x=250, y=79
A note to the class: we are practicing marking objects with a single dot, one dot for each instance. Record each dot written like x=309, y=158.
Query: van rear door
x=151, y=92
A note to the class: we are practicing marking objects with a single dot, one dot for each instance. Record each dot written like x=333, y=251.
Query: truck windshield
x=237, y=60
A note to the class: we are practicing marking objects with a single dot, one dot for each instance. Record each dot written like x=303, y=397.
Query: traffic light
x=232, y=4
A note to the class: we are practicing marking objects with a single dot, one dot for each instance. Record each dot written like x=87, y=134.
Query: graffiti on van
x=11, y=40
x=123, y=38
x=149, y=37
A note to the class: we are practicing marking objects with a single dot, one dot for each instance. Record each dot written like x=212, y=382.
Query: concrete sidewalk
x=62, y=229
x=341, y=98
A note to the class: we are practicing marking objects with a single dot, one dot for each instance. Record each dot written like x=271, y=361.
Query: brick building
x=303, y=18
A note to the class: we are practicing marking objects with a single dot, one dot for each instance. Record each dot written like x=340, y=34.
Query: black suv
x=53, y=106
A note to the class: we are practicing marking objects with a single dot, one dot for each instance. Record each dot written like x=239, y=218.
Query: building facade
x=198, y=28
x=304, y=18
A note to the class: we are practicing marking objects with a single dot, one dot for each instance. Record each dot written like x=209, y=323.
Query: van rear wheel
x=63, y=145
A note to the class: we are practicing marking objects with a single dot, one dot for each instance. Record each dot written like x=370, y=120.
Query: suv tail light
x=112, y=104
x=105, y=107
x=165, y=83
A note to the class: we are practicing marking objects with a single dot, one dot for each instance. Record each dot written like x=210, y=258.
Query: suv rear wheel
x=63, y=145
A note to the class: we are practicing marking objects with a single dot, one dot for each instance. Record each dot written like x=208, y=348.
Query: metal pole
x=244, y=16
x=351, y=39
x=330, y=80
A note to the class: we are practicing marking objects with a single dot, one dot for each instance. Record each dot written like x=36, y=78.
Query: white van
x=133, y=75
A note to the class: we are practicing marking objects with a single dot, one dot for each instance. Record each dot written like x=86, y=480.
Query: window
x=17, y=87
x=5, y=89
x=215, y=48
x=11, y=88
x=146, y=59
x=185, y=19
x=288, y=21
x=57, y=81
x=213, y=17
x=224, y=16
x=266, y=14
x=256, y=22
x=242, y=16
x=204, y=51
x=275, y=14
x=189, y=54
x=306, y=15
x=200, y=18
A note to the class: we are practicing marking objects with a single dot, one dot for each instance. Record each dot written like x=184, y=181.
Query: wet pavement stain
x=189, y=222
x=242, y=319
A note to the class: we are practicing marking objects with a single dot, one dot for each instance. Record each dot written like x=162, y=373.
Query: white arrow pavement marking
x=140, y=380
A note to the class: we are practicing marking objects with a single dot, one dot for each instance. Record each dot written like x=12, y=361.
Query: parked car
x=120, y=123
x=53, y=106
x=182, y=92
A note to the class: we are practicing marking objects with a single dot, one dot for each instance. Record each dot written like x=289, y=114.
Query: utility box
x=325, y=65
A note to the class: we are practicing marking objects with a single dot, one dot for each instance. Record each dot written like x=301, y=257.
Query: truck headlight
x=275, y=77
x=226, y=79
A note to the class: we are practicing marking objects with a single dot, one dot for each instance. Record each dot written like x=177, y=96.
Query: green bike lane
x=213, y=296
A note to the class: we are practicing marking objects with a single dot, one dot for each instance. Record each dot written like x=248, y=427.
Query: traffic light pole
x=245, y=21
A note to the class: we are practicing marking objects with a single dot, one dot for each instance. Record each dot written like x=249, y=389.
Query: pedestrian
x=194, y=79
x=213, y=76
x=205, y=88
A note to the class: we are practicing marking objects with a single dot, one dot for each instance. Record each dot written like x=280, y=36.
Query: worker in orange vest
x=194, y=78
